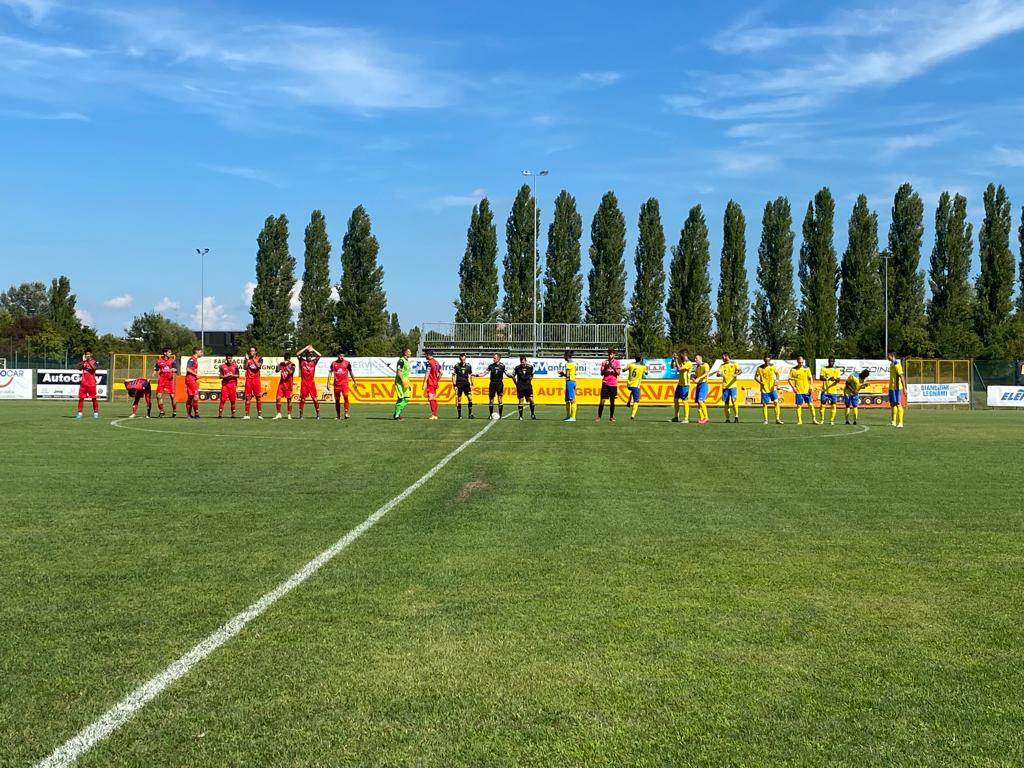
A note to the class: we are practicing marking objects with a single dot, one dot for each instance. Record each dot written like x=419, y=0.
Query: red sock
x=337, y=407
x=346, y=403
x=278, y=404
x=289, y=407
x=95, y=405
x=81, y=402
x=433, y=407
x=248, y=407
x=302, y=406
x=316, y=405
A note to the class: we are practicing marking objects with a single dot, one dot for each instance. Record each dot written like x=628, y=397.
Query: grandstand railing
x=542, y=339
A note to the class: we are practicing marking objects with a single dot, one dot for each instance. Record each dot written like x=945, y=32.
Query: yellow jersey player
x=682, y=365
x=569, y=374
x=896, y=387
x=767, y=378
x=729, y=373
x=701, y=371
x=800, y=379
x=851, y=393
x=634, y=375
x=830, y=380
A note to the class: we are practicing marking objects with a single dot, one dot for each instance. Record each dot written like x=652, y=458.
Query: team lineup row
x=693, y=378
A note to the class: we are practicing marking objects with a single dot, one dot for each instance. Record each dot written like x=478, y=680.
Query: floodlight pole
x=202, y=296
x=534, y=176
x=885, y=258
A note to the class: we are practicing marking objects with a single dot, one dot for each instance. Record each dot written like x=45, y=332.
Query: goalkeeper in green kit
x=403, y=387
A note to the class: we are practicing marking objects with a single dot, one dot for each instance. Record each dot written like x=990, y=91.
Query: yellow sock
x=574, y=409
x=778, y=412
x=892, y=419
x=899, y=413
x=703, y=410
x=764, y=408
x=686, y=410
x=735, y=409
x=833, y=419
x=634, y=408
x=855, y=412
x=799, y=414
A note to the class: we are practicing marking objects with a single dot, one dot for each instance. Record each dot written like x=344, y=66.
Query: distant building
x=221, y=342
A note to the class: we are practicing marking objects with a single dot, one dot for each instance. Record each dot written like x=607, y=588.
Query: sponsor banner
x=62, y=384
x=15, y=384
x=1006, y=397
x=879, y=368
x=938, y=394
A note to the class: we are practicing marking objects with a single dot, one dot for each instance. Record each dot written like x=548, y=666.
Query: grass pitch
x=641, y=593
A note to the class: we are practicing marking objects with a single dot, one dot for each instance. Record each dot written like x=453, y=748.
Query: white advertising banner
x=62, y=384
x=15, y=384
x=879, y=369
x=1006, y=397
x=939, y=394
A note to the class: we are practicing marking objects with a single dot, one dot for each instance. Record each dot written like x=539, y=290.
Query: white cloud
x=597, y=79
x=735, y=163
x=119, y=302
x=213, y=316
x=31, y=10
x=21, y=114
x=241, y=172
x=247, y=291
x=167, y=304
x=294, y=303
x=1008, y=157
x=335, y=296
x=458, y=201
x=84, y=316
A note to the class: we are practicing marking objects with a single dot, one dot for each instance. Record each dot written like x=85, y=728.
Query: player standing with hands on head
x=165, y=370
x=403, y=385
x=253, y=384
x=682, y=365
x=729, y=372
x=634, y=375
x=430, y=381
x=610, y=370
x=496, y=387
x=192, y=384
x=228, y=372
x=800, y=380
x=341, y=371
x=87, y=384
x=767, y=377
x=896, y=386
x=285, y=384
x=522, y=375
x=308, y=358
x=462, y=381
x=568, y=372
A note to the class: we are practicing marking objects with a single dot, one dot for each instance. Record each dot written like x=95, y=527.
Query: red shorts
x=87, y=391
x=308, y=390
x=253, y=388
x=431, y=389
x=165, y=386
x=341, y=392
x=191, y=386
x=284, y=391
x=229, y=393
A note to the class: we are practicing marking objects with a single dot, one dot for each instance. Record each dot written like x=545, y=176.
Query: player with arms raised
x=285, y=384
x=610, y=370
x=341, y=375
x=192, y=384
x=165, y=370
x=228, y=372
x=431, y=380
x=729, y=372
x=767, y=376
x=87, y=384
x=681, y=397
x=568, y=372
x=634, y=375
x=462, y=381
x=831, y=377
x=253, y=383
x=496, y=372
x=800, y=379
x=308, y=359
x=522, y=375
x=896, y=386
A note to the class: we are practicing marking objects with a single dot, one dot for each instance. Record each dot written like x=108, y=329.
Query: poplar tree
x=689, y=292
x=860, y=287
x=906, y=282
x=774, y=309
x=316, y=308
x=949, y=311
x=362, y=319
x=646, y=320
x=733, y=310
x=519, y=268
x=478, y=272
x=995, y=283
x=271, y=328
x=563, y=283
x=818, y=272
x=606, y=283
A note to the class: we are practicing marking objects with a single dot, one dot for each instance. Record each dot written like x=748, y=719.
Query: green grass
x=591, y=594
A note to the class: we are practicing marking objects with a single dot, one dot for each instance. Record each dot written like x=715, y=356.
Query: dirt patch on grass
x=471, y=488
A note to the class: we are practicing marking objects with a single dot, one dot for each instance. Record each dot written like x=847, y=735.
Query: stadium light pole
x=534, y=176
x=202, y=296
x=885, y=258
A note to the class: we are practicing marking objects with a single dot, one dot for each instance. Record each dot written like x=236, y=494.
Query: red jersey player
x=341, y=370
x=228, y=371
x=308, y=359
x=165, y=370
x=87, y=384
x=140, y=388
x=253, y=385
x=286, y=369
x=192, y=383
x=430, y=382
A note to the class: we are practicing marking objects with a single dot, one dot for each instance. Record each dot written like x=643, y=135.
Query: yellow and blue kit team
x=569, y=372
x=681, y=396
x=729, y=372
x=634, y=375
x=896, y=385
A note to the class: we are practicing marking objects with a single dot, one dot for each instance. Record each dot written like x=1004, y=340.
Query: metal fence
x=509, y=338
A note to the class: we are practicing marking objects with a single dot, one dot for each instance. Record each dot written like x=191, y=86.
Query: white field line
x=125, y=709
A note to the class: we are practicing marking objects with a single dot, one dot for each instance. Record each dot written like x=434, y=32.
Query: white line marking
x=125, y=709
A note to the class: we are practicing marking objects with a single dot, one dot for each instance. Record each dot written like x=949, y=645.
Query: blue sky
x=134, y=133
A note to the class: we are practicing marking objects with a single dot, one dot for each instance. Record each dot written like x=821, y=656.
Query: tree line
x=833, y=306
